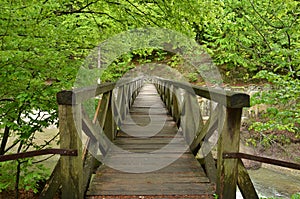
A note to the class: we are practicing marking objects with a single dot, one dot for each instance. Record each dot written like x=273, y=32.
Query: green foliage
x=30, y=177
x=192, y=77
x=255, y=35
x=295, y=196
x=283, y=112
x=40, y=51
x=118, y=68
x=175, y=61
x=216, y=196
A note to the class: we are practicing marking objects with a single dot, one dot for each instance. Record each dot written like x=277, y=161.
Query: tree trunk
x=4, y=140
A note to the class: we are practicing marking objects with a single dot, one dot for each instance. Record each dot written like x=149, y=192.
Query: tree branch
x=259, y=32
x=145, y=14
x=7, y=100
x=266, y=20
x=60, y=13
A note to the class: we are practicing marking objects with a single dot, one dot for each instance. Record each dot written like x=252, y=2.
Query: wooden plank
x=210, y=167
x=53, y=183
x=103, y=108
x=152, y=196
x=28, y=154
x=209, y=127
x=109, y=124
x=281, y=163
x=244, y=182
x=90, y=164
x=95, y=133
x=176, y=111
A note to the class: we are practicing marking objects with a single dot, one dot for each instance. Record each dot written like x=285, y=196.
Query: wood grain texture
x=71, y=169
x=228, y=142
x=181, y=178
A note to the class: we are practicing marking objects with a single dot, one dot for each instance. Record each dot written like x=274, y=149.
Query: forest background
x=43, y=44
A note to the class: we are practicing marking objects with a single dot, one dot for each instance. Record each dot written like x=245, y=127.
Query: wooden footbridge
x=142, y=140
x=147, y=139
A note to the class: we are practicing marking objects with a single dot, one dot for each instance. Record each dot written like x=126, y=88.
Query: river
x=271, y=181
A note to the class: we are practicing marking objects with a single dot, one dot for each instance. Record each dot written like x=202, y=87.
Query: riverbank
x=271, y=180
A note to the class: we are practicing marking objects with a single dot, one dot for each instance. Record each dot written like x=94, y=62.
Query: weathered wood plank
x=210, y=167
x=244, y=182
x=109, y=124
x=52, y=184
x=209, y=127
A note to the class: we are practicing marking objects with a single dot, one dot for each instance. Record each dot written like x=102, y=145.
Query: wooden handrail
x=262, y=159
x=229, y=99
x=79, y=95
x=29, y=154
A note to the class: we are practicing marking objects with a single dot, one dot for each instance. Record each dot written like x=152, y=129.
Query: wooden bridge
x=142, y=141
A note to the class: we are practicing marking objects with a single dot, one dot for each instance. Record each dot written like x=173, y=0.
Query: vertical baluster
x=109, y=124
x=175, y=106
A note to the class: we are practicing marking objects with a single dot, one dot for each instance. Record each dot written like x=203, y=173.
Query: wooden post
x=71, y=168
x=103, y=108
x=190, y=117
x=122, y=105
x=228, y=142
x=109, y=124
x=132, y=92
x=168, y=97
x=164, y=92
x=105, y=118
x=175, y=107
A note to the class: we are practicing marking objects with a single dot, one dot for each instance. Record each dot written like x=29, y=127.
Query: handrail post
x=71, y=168
x=228, y=143
x=109, y=125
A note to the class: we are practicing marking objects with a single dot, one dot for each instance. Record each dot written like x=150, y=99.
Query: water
x=274, y=182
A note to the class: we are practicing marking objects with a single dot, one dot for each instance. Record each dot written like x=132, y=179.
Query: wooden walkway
x=150, y=158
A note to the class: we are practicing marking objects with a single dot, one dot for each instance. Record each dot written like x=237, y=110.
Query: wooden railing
x=224, y=122
x=73, y=174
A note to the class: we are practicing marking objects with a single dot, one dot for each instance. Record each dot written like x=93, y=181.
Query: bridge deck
x=150, y=159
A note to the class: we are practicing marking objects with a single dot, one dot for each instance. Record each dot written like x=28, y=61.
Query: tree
x=40, y=52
